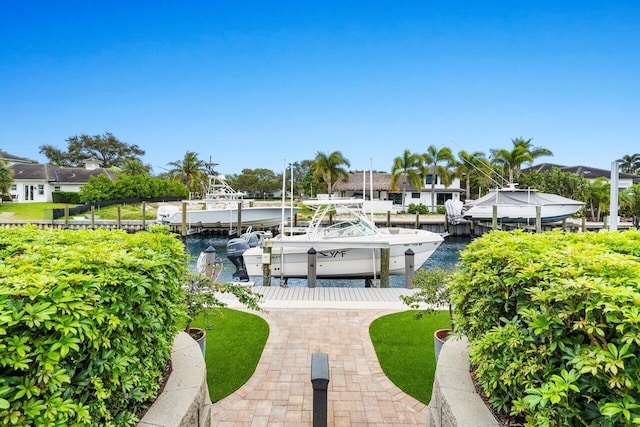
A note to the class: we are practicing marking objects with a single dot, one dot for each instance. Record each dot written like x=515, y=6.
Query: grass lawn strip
x=404, y=347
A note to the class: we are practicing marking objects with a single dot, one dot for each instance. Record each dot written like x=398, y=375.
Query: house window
x=14, y=187
x=41, y=189
x=429, y=179
x=415, y=195
x=56, y=188
x=443, y=197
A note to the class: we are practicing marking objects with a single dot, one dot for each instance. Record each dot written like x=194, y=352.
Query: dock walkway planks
x=339, y=298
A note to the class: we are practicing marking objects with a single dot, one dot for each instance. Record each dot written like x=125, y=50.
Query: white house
x=358, y=180
x=625, y=180
x=36, y=182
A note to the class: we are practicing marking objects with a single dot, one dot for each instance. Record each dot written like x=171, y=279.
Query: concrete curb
x=454, y=401
x=185, y=398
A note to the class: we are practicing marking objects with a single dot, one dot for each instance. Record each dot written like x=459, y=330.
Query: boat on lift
x=348, y=248
x=514, y=205
x=219, y=209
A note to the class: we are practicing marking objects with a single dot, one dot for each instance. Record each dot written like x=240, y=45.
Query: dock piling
x=311, y=268
x=409, y=262
x=320, y=384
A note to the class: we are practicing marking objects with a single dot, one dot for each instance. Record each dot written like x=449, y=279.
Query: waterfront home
x=358, y=180
x=625, y=180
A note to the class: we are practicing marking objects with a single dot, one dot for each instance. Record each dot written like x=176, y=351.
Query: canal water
x=446, y=256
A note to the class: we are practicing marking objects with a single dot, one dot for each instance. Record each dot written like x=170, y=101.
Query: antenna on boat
x=284, y=190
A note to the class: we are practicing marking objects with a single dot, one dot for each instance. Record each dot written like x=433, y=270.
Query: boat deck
x=336, y=298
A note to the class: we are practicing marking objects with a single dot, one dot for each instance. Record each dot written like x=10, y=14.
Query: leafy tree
x=566, y=184
x=329, y=168
x=630, y=163
x=304, y=181
x=101, y=188
x=190, y=171
x=256, y=181
x=106, y=148
x=135, y=167
x=598, y=197
x=406, y=168
x=6, y=178
x=431, y=166
x=522, y=152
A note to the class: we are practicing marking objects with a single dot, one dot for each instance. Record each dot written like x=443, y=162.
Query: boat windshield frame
x=353, y=220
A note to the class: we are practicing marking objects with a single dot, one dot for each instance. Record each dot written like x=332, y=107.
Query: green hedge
x=554, y=324
x=66, y=197
x=87, y=321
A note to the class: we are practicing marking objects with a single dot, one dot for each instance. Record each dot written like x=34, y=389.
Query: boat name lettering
x=333, y=254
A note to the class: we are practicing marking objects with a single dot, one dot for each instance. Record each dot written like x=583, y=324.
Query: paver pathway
x=280, y=393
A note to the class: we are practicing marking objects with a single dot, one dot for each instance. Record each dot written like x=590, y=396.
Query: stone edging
x=185, y=398
x=454, y=401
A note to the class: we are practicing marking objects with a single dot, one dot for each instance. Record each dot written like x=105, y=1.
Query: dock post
x=584, y=223
x=409, y=262
x=239, y=218
x=66, y=215
x=494, y=218
x=538, y=219
x=320, y=384
x=388, y=218
x=183, y=229
x=266, y=265
x=311, y=268
x=384, y=267
x=209, y=261
x=144, y=216
x=118, y=217
x=417, y=220
x=295, y=219
x=93, y=217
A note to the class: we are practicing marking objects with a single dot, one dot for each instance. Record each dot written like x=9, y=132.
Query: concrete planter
x=454, y=401
x=184, y=402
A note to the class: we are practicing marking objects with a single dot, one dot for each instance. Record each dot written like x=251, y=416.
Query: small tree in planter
x=432, y=295
x=200, y=295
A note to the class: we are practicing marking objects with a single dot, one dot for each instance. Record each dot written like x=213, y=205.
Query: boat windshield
x=352, y=228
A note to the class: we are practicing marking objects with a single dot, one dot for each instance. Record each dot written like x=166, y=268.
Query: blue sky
x=253, y=83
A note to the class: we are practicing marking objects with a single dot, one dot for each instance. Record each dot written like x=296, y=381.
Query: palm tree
x=599, y=195
x=522, y=152
x=133, y=166
x=472, y=165
x=6, y=178
x=431, y=166
x=406, y=168
x=630, y=163
x=329, y=168
x=191, y=171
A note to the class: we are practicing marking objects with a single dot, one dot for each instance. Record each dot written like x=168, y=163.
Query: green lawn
x=26, y=211
x=404, y=347
x=235, y=340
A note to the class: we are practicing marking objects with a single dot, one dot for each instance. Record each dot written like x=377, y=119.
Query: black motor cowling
x=235, y=248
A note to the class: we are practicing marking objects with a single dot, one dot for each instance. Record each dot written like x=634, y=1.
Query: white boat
x=219, y=209
x=519, y=205
x=349, y=248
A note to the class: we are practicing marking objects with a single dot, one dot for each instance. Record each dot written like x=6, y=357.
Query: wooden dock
x=335, y=298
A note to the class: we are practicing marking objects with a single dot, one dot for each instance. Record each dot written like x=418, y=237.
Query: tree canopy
x=6, y=178
x=106, y=148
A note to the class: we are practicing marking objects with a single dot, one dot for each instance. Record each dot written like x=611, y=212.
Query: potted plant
x=199, y=295
x=433, y=295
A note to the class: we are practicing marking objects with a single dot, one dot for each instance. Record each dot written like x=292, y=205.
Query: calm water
x=446, y=256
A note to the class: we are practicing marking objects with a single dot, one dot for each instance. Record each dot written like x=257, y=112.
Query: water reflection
x=446, y=256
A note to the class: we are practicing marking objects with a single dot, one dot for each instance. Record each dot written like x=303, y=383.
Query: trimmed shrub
x=87, y=321
x=419, y=208
x=66, y=197
x=554, y=324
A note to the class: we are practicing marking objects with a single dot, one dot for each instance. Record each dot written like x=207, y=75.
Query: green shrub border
x=554, y=324
x=87, y=321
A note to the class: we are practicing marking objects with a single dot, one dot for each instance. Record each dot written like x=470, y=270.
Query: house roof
x=13, y=159
x=381, y=181
x=585, y=171
x=46, y=172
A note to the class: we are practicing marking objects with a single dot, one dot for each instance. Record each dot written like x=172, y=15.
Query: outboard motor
x=235, y=248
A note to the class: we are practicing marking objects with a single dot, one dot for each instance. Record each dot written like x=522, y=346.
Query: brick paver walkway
x=280, y=393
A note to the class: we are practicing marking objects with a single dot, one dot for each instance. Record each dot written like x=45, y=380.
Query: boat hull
x=338, y=258
x=521, y=213
x=257, y=217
